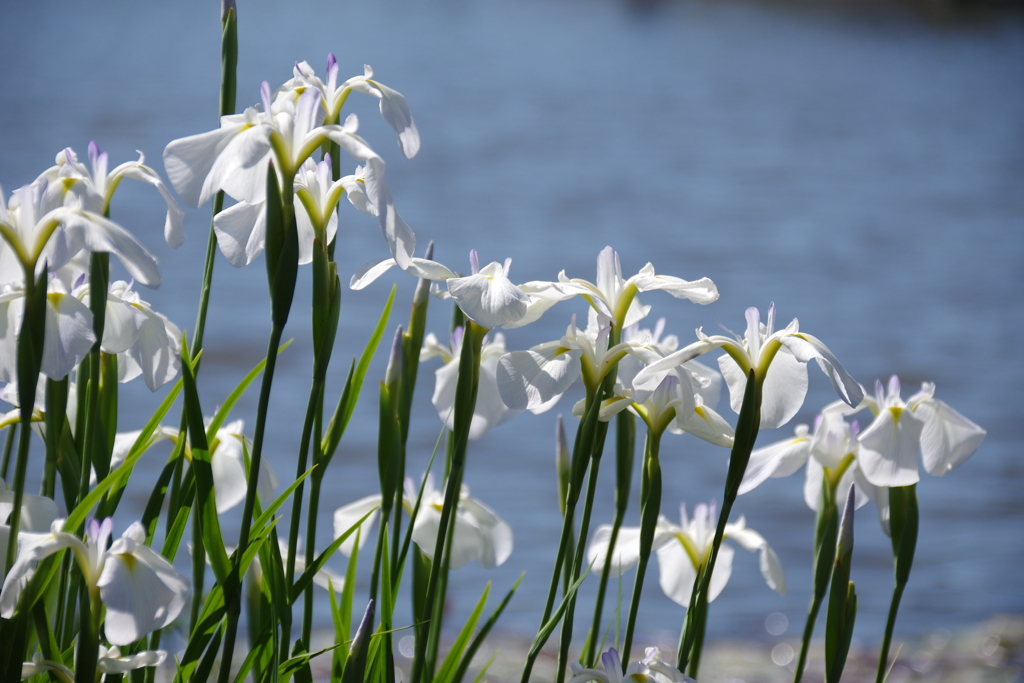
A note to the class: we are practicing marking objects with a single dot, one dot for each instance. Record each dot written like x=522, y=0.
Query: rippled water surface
x=865, y=175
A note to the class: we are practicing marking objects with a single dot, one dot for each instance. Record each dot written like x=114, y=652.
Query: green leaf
x=206, y=509
x=151, y=515
x=354, y=385
x=307, y=576
x=349, y=589
x=290, y=666
x=81, y=511
x=479, y=639
x=545, y=631
x=264, y=518
x=448, y=667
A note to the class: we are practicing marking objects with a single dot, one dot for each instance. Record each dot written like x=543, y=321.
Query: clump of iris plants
x=80, y=604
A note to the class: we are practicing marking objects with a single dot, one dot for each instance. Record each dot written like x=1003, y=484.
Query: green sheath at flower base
x=842, y=601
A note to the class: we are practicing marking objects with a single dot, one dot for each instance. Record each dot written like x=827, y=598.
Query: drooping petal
x=527, y=379
x=705, y=423
x=489, y=298
x=68, y=336
x=723, y=570
x=241, y=169
x=948, y=438
x=229, y=480
x=346, y=517
x=702, y=291
x=122, y=323
x=626, y=553
x=771, y=569
x=188, y=162
x=647, y=380
x=676, y=573
x=97, y=233
x=174, y=233
x=779, y=459
x=888, y=448
x=141, y=591
x=395, y=111
x=241, y=232
x=113, y=662
x=805, y=347
x=495, y=534
x=157, y=351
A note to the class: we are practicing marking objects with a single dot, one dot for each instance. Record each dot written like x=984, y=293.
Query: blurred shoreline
x=939, y=13
x=991, y=651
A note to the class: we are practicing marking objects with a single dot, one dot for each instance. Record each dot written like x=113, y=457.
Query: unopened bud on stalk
x=561, y=462
x=423, y=287
x=225, y=7
x=394, y=370
x=845, y=547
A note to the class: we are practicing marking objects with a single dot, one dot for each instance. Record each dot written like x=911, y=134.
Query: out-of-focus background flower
x=862, y=167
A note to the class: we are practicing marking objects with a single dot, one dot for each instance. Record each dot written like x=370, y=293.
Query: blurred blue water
x=864, y=175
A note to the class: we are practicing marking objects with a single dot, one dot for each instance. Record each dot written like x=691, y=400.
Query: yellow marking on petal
x=129, y=561
x=896, y=413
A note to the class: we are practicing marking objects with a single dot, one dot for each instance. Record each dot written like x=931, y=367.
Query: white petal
x=805, y=347
x=68, y=335
x=879, y=495
x=490, y=411
x=346, y=517
x=97, y=233
x=948, y=437
x=188, y=161
x=627, y=549
x=779, y=459
x=229, y=480
x=121, y=326
x=783, y=392
x=771, y=570
x=395, y=111
x=676, y=574
x=140, y=594
x=528, y=379
x=241, y=169
x=495, y=534
x=723, y=570
x=443, y=399
x=489, y=301
x=647, y=380
x=241, y=232
x=157, y=351
x=888, y=448
x=174, y=233
x=702, y=291
x=369, y=272
x=705, y=423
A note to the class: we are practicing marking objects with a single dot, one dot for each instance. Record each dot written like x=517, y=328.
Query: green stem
x=650, y=507
x=465, y=403
x=315, y=393
x=625, y=436
x=311, y=517
x=234, y=600
x=890, y=624
x=577, y=565
x=700, y=620
x=8, y=447
x=826, y=530
x=747, y=426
